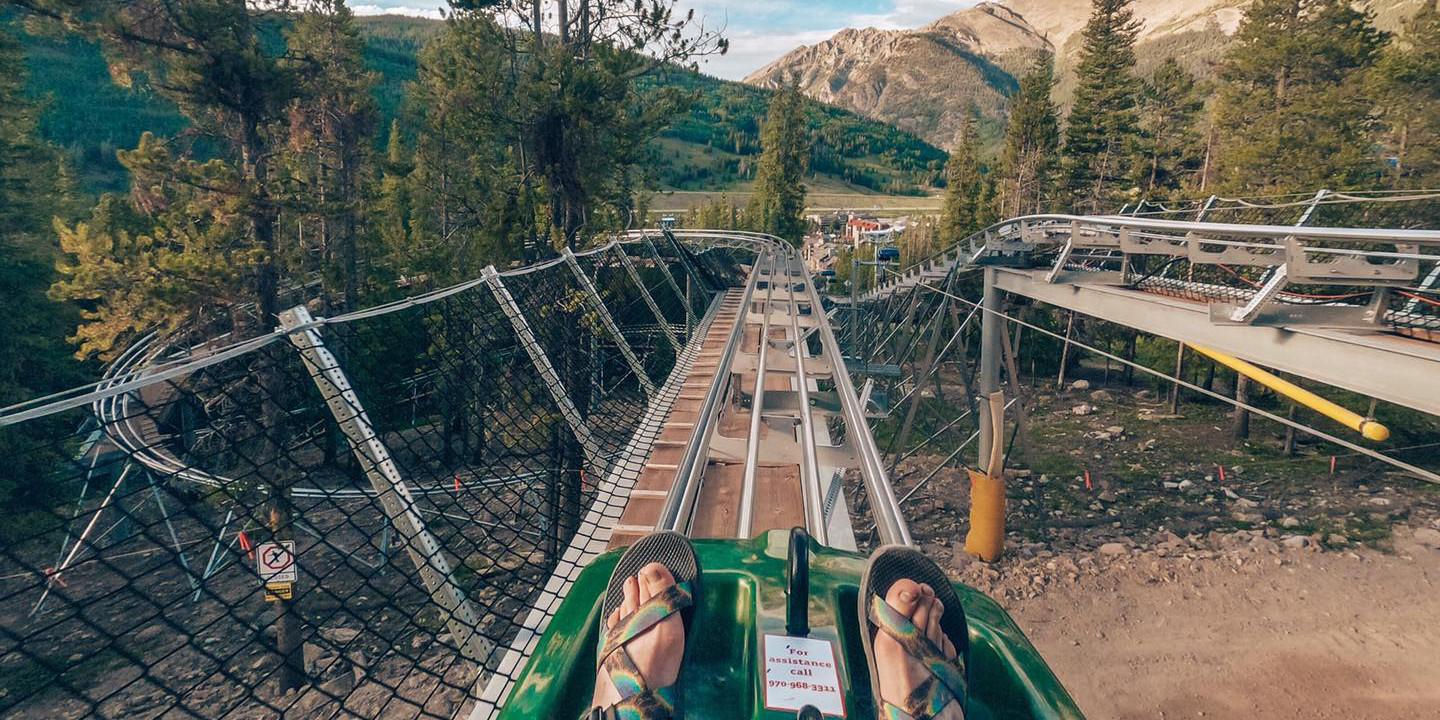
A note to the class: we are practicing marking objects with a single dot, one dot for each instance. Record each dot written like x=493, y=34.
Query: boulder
x=1080, y=385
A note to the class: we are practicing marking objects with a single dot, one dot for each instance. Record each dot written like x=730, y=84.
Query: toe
x=933, y=630
x=903, y=596
x=950, y=652
x=921, y=616
x=654, y=579
x=632, y=596
x=614, y=619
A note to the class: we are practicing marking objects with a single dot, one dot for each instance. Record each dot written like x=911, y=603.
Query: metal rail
x=757, y=402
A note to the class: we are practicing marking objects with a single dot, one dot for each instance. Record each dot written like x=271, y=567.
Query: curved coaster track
x=434, y=474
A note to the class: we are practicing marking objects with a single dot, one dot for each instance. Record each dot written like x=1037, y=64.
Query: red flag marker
x=1222, y=472
x=245, y=544
x=1088, y=486
x=457, y=483
x=1332, y=464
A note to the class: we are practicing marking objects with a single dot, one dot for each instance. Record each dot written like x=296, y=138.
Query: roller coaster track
x=757, y=424
x=1325, y=300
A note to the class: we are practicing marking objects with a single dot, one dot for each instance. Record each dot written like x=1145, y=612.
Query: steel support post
x=551, y=378
x=991, y=326
x=669, y=278
x=649, y=299
x=394, y=496
x=598, y=305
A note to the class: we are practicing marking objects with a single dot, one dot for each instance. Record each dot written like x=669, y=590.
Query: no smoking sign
x=275, y=561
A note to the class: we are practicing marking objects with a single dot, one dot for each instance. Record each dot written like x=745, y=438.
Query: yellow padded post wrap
x=986, y=539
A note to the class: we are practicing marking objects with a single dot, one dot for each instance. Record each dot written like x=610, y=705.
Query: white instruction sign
x=800, y=672
x=275, y=561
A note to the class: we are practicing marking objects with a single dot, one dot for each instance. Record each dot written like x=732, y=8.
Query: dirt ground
x=1161, y=588
x=1234, y=626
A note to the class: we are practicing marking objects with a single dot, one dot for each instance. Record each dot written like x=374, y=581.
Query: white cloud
x=426, y=11
x=751, y=50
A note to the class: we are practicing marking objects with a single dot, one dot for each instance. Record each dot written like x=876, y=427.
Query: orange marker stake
x=1088, y=486
x=1222, y=472
x=1332, y=464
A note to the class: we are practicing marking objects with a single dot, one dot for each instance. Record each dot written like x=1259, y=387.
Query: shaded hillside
x=711, y=148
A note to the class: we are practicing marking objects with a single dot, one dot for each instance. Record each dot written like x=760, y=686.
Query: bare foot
x=899, y=673
x=657, y=652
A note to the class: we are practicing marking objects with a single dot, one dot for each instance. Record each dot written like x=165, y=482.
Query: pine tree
x=1294, y=107
x=1103, y=124
x=965, y=186
x=1171, y=150
x=1032, y=141
x=1408, y=78
x=329, y=140
x=777, y=206
x=34, y=359
x=394, y=203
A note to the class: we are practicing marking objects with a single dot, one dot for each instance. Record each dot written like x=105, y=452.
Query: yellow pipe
x=1369, y=428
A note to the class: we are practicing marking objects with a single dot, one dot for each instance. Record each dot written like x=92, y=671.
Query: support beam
x=394, y=496
x=991, y=325
x=598, y=306
x=649, y=299
x=552, y=380
x=669, y=278
x=1393, y=365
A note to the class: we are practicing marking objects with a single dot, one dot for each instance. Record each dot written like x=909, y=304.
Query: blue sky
x=759, y=30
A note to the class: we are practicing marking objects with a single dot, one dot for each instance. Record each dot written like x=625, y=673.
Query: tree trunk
x=1241, y=427
x=279, y=511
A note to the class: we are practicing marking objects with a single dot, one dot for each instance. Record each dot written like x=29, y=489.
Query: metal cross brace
x=394, y=496
x=572, y=416
x=598, y=305
x=649, y=299
x=665, y=270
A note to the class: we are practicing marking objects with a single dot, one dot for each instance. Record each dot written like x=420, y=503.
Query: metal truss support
x=1278, y=277
x=898, y=446
x=669, y=278
x=991, y=325
x=685, y=262
x=1205, y=209
x=54, y=574
x=394, y=496
x=598, y=305
x=552, y=380
x=649, y=299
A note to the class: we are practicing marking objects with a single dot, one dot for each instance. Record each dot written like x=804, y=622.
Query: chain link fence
x=347, y=519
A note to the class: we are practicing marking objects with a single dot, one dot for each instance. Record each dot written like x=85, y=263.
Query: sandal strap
x=925, y=702
x=654, y=705
x=675, y=598
x=947, y=677
x=637, y=700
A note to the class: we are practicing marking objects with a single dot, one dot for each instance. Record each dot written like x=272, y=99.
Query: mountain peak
x=922, y=80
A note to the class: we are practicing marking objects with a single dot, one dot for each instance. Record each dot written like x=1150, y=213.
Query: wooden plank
x=717, y=511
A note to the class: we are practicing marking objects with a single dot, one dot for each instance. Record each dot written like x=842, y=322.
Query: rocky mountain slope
x=924, y=80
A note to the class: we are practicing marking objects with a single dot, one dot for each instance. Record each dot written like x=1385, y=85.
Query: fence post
x=598, y=305
x=394, y=496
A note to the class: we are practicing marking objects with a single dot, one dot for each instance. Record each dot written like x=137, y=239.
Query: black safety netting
x=152, y=522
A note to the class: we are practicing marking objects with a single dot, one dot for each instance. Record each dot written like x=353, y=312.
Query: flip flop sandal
x=949, y=680
x=637, y=700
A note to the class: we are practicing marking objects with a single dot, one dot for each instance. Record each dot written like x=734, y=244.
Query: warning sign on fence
x=275, y=561
x=279, y=591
